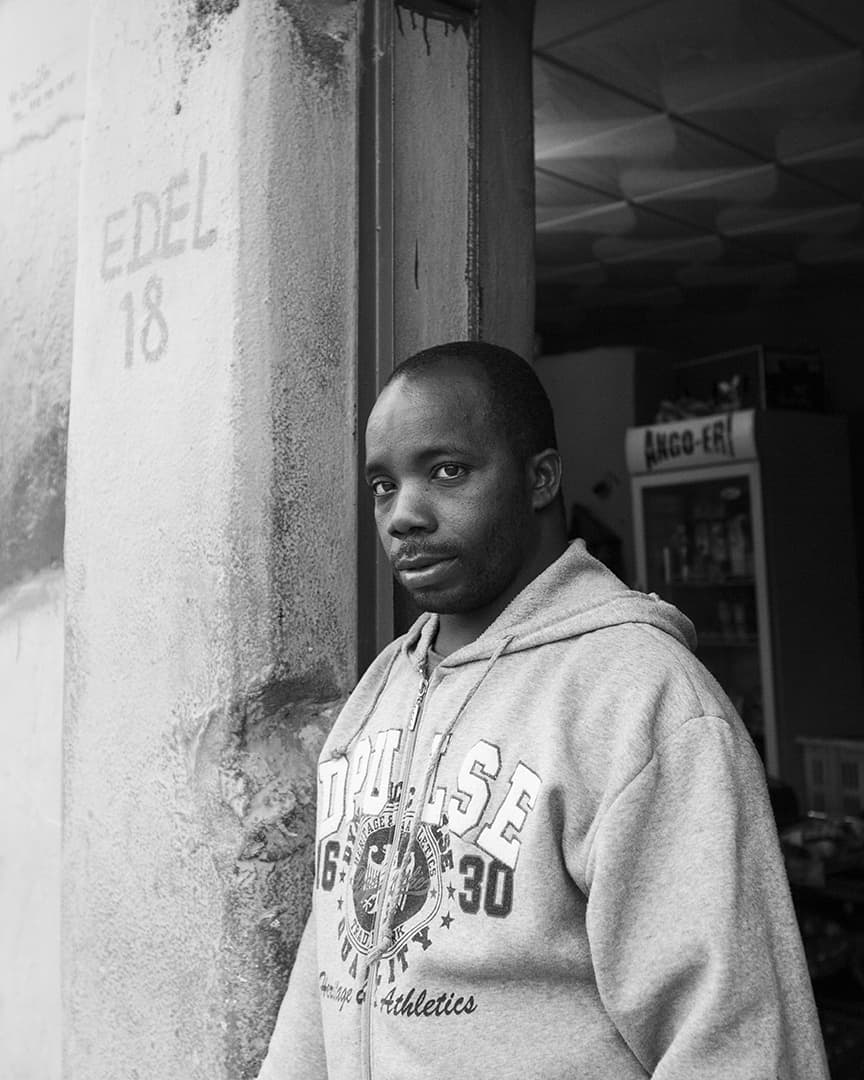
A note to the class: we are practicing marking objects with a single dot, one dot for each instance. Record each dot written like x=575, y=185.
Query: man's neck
x=460, y=629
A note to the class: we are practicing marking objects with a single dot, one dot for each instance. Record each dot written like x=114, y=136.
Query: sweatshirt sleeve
x=696, y=947
x=296, y=1049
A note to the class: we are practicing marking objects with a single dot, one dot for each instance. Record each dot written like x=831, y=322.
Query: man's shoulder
x=638, y=638
x=642, y=665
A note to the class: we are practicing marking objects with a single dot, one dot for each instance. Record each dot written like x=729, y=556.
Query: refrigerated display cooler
x=743, y=520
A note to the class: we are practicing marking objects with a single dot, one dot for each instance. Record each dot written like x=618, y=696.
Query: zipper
x=366, y=1009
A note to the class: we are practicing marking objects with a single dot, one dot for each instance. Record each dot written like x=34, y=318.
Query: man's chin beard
x=427, y=600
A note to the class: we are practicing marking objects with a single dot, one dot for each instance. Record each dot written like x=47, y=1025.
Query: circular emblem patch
x=421, y=894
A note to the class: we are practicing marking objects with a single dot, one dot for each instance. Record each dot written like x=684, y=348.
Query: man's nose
x=411, y=510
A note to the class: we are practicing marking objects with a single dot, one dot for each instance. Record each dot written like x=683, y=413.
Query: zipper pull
x=418, y=704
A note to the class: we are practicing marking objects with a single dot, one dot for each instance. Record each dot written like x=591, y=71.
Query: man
x=545, y=849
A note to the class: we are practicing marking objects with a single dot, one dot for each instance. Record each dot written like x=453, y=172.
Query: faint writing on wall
x=32, y=94
x=138, y=237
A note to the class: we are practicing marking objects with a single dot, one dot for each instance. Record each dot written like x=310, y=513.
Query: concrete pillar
x=42, y=79
x=211, y=547
x=211, y=516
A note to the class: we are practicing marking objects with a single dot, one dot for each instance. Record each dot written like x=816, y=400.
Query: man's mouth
x=422, y=569
x=417, y=562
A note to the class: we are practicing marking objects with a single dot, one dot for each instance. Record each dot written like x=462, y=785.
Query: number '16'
x=154, y=329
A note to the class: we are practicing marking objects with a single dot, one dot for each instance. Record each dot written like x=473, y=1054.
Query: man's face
x=452, y=505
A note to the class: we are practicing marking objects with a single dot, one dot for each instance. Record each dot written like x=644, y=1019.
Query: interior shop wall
x=42, y=80
x=596, y=396
x=210, y=521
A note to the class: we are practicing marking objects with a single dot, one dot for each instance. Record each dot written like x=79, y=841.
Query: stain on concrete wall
x=203, y=18
x=454, y=16
x=324, y=29
x=33, y=512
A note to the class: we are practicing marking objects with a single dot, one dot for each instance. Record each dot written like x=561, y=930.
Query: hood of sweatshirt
x=587, y=597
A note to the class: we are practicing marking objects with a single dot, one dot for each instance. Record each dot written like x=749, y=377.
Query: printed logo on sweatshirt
x=359, y=807
x=364, y=784
x=354, y=870
x=415, y=1003
x=420, y=895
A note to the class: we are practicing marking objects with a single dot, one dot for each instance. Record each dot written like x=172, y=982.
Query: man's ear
x=544, y=475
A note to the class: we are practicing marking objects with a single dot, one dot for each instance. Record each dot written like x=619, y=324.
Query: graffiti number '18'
x=154, y=328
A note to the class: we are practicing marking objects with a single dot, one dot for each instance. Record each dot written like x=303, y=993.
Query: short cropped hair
x=517, y=399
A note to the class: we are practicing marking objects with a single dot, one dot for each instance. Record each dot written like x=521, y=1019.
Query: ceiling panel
x=842, y=18
x=575, y=116
x=829, y=151
x=685, y=146
x=558, y=19
x=634, y=52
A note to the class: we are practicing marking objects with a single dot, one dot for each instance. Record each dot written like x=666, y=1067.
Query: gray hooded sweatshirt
x=551, y=857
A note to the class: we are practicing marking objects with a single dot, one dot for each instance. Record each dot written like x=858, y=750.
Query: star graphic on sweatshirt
x=339, y=903
x=446, y=920
x=451, y=891
x=341, y=875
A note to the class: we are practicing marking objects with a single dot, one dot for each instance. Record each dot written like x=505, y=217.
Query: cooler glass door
x=699, y=546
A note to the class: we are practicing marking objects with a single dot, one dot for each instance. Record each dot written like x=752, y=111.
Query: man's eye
x=449, y=471
x=381, y=487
